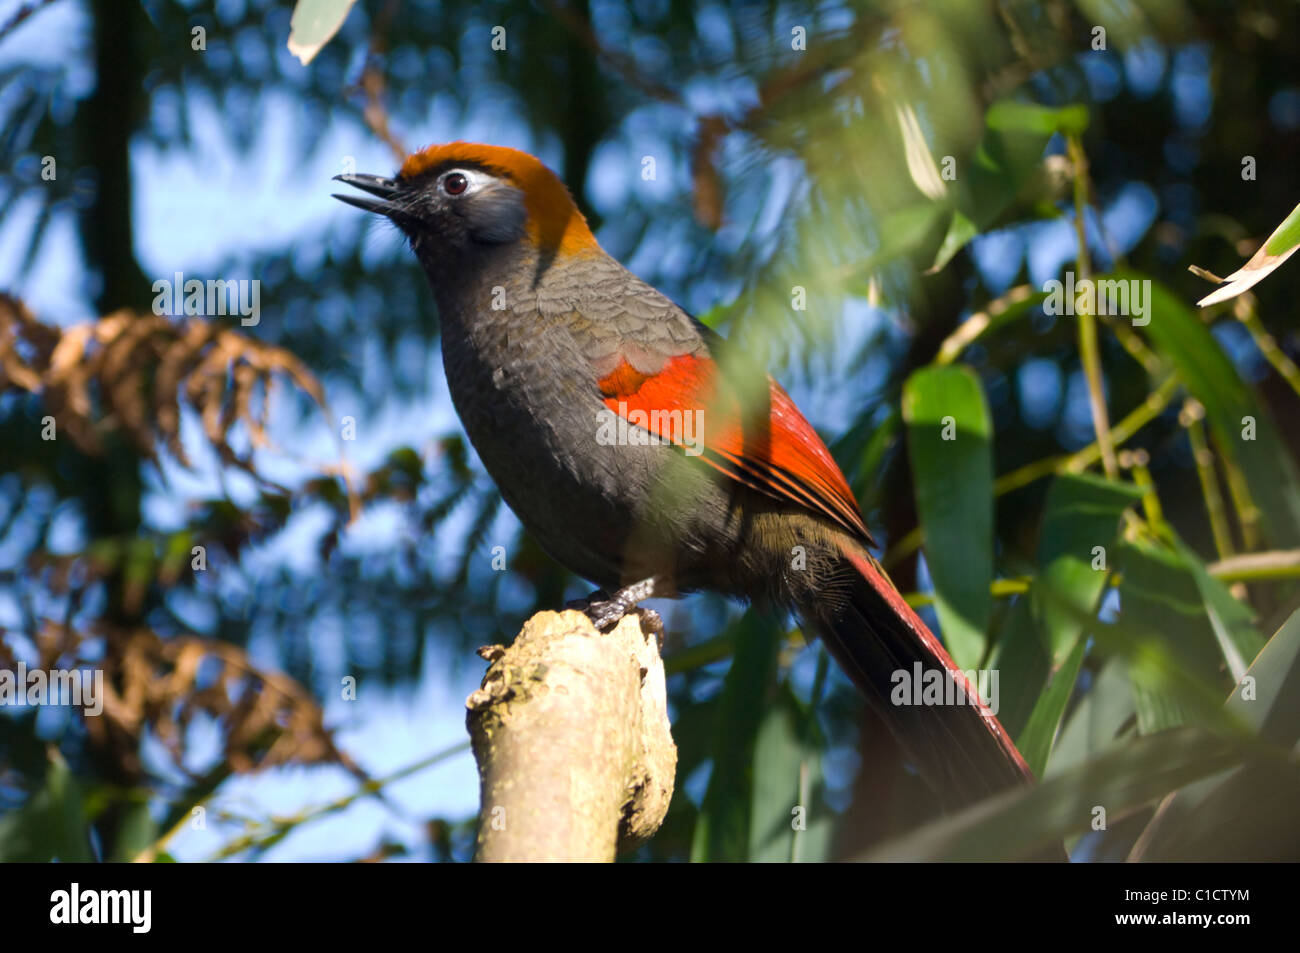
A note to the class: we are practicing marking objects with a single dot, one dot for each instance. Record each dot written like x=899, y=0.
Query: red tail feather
x=961, y=748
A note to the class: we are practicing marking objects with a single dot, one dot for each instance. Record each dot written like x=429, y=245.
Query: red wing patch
x=773, y=450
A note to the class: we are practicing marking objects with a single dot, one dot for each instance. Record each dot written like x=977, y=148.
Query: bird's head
x=456, y=200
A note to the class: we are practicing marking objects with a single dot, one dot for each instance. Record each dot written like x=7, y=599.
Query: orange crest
x=554, y=222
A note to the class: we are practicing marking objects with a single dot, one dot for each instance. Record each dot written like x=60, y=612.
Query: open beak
x=374, y=184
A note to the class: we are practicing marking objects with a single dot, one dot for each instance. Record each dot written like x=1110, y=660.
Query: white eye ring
x=475, y=181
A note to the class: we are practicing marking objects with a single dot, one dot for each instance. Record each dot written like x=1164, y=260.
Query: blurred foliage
x=864, y=194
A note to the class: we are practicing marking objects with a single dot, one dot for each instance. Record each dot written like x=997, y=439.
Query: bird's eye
x=455, y=183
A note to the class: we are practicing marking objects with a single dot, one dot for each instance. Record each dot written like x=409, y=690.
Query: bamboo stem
x=1246, y=313
x=978, y=323
x=1250, y=567
x=1248, y=514
x=1089, y=351
x=1192, y=418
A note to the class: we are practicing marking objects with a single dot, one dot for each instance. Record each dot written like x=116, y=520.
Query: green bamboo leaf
x=1158, y=594
x=693, y=733
x=51, y=824
x=1007, y=164
x=778, y=757
x=901, y=231
x=1232, y=623
x=1023, y=667
x=920, y=161
x=722, y=830
x=948, y=437
x=788, y=820
x=1023, y=822
x=1074, y=548
x=1009, y=114
x=960, y=231
x=1097, y=719
x=1035, y=742
x=864, y=447
x=1286, y=237
x=1280, y=246
x=1249, y=812
x=136, y=832
x=1038, y=664
x=1238, y=421
x=1269, y=701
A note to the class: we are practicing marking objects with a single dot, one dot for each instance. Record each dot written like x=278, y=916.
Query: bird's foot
x=582, y=605
x=604, y=615
x=606, y=611
x=651, y=622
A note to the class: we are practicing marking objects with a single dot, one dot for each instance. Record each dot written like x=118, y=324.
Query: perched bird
x=640, y=458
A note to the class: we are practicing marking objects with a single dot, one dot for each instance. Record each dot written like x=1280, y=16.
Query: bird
x=646, y=457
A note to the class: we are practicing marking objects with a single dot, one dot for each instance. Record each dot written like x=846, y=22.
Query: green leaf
x=723, y=827
x=960, y=231
x=1286, y=237
x=1025, y=822
x=1028, y=820
x=1180, y=336
x=1007, y=164
x=1082, y=514
x=1096, y=721
x=693, y=733
x=1280, y=246
x=51, y=825
x=788, y=820
x=1010, y=114
x=901, y=231
x=948, y=437
x=1232, y=623
x=136, y=831
x=1077, y=537
x=1035, y=742
x=920, y=160
x=1023, y=667
x=1272, y=706
x=1249, y=812
x=1159, y=595
x=869, y=452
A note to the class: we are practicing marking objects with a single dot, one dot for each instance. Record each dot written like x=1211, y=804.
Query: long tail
x=960, y=749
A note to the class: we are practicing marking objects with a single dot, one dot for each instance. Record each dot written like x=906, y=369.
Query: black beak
x=374, y=184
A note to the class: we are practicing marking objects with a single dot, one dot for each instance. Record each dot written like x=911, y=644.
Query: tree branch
x=570, y=730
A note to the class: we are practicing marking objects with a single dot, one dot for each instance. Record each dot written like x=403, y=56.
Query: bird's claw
x=605, y=613
x=582, y=605
x=652, y=623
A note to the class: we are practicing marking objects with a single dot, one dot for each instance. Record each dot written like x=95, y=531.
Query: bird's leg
x=581, y=605
x=605, y=610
